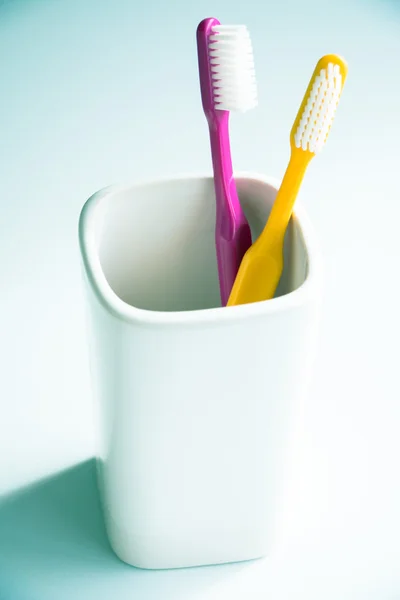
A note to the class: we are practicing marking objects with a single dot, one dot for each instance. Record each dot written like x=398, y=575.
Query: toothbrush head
x=232, y=68
x=313, y=122
x=226, y=65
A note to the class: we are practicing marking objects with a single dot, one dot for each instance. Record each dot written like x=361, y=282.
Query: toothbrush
x=262, y=266
x=227, y=82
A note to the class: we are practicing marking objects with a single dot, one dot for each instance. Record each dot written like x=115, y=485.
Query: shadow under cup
x=156, y=243
x=193, y=400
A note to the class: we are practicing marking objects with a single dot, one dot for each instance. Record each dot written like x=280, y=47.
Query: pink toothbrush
x=227, y=82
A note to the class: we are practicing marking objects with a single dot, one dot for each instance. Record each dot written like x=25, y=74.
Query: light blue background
x=94, y=92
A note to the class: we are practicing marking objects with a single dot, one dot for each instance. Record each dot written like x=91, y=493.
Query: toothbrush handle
x=262, y=266
x=232, y=232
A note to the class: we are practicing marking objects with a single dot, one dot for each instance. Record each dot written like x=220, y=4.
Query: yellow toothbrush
x=262, y=265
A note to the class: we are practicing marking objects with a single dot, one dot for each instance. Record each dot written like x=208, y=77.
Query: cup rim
x=126, y=312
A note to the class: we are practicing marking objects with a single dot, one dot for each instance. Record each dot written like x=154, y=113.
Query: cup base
x=194, y=549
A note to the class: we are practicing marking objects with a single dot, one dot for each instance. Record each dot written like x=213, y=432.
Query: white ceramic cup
x=193, y=400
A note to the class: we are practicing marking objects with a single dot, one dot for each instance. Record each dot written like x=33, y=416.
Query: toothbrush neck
x=220, y=147
x=225, y=188
x=283, y=206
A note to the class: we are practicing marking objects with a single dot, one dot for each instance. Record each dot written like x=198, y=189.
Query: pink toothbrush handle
x=232, y=232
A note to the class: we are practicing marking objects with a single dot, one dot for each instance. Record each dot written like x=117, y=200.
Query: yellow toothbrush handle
x=262, y=265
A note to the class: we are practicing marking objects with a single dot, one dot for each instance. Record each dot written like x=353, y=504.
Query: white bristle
x=319, y=110
x=232, y=68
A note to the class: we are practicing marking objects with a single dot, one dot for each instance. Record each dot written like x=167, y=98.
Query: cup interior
x=156, y=242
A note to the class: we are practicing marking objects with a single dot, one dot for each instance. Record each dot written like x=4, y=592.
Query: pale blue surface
x=94, y=92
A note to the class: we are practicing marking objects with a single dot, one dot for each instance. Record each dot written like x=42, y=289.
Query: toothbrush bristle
x=320, y=108
x=232, y=68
